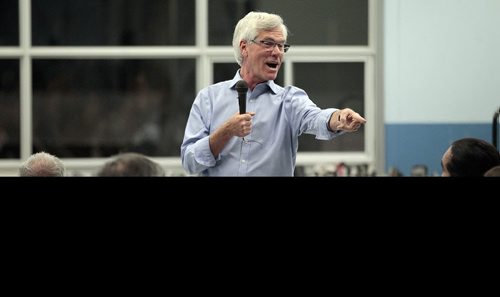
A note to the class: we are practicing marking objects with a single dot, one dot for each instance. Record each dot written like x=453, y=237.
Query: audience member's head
x=495, y=171
x=42, y=164
x=469, y=157
x=131, y=164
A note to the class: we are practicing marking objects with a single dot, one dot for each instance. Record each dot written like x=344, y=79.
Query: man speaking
x=262, y=140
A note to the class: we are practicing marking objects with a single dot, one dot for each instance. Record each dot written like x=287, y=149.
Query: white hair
x=251, y=25
x=42, y=164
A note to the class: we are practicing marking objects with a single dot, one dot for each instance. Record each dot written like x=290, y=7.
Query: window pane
x=9, y=109
x=9, y=22
x=318, y=22
x=342, y=87
x=97, y=108
x=226, y=71
x=113, y=22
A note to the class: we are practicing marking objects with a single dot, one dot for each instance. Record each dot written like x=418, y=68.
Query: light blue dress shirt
x=281, y=116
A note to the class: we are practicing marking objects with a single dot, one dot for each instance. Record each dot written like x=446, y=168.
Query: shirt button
x=243, y=161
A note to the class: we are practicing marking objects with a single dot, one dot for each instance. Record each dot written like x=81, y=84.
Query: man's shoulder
x=218, y=86
x=291, y=92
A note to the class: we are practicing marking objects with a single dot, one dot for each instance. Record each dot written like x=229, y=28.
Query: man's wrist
x=334, y=121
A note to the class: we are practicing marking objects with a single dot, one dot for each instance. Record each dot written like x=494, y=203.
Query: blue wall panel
x=410, y=144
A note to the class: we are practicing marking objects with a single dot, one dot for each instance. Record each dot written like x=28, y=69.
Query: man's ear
x=243, y=46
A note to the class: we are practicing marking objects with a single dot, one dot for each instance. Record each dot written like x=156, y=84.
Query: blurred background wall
x=442, y=77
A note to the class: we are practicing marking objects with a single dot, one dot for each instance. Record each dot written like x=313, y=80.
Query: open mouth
x=272, y=65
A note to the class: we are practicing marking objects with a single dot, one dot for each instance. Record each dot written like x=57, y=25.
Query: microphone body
x=242, y=88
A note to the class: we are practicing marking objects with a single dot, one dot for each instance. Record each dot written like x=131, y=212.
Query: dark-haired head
x=469, y=157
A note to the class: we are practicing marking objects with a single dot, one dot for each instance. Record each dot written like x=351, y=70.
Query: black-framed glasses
x=270, y=44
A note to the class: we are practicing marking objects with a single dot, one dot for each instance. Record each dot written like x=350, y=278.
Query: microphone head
x=241, y=86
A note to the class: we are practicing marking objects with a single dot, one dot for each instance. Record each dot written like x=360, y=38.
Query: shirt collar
x=237, y=77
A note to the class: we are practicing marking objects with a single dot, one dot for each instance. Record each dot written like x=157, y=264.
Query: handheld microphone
x=241, y=88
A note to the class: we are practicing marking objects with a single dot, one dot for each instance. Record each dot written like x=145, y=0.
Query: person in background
x=419, y=170
x=42, y=164
x=131, y=164
x=469, y=157
x=218, y=141
x=495, y=171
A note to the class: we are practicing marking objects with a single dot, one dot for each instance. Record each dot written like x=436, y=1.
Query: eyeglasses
x=270, y=44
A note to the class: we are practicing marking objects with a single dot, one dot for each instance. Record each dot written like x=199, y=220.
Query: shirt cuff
x=202, y=153
x=324, y=133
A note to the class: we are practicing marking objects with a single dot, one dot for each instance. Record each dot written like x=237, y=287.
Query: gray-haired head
x=42, y=164
x=494, y=171
x=250, y=26
x=131, y=164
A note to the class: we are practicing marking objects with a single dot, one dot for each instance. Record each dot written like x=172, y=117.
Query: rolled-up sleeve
x=307, y=117
x=198, y=156
x=195, y=149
